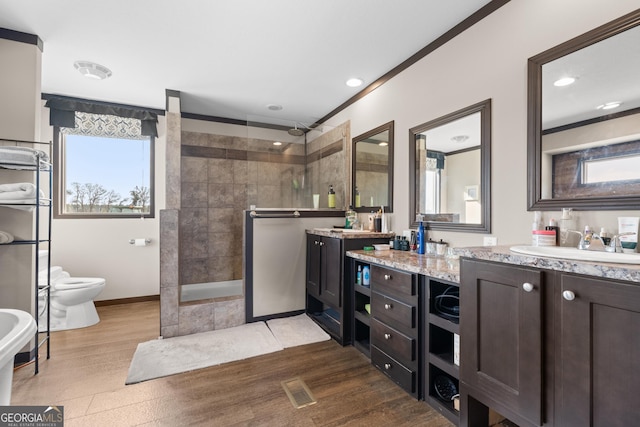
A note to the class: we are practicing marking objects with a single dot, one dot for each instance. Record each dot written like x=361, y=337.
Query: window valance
x=62, y=112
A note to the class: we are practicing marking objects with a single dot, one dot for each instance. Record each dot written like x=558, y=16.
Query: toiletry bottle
x=331, y=200
x=359, y=275
x=365, y=276
x=420, y=239
x=350, y=217
x=383, y=221
x=606, y=239
x=553, y=226
x=587, y=235
x=357, y=197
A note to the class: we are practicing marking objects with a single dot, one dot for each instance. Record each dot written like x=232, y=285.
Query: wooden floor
x=88, y=368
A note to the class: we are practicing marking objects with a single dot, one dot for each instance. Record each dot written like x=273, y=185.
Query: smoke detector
x=92, y=70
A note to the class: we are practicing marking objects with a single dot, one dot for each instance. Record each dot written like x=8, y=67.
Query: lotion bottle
x=365, y=276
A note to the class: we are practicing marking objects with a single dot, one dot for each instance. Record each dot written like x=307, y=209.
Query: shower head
x=295, y=131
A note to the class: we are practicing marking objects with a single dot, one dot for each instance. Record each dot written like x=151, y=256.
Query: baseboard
x=126, y=300
x=24, y=357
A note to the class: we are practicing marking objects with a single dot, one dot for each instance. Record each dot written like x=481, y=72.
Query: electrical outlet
x=490, y=241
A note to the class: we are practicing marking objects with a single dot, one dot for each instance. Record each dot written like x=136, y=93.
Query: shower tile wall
x=327, y=164
x=222, y=176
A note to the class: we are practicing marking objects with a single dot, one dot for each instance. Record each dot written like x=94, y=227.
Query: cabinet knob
x=568, y=295
x=387, y=336
x=387, y=277
x=528, y=287
x=315, y=242
x=388, y=307
x=387, y=366
x=321, y=243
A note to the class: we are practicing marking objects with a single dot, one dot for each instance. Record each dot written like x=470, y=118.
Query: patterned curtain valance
x=63, y=110
x=105, y=126
x=438, y=157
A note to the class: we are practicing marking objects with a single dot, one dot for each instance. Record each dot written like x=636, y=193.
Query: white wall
x=100, y=247
x=489, y=60
x=19, y=119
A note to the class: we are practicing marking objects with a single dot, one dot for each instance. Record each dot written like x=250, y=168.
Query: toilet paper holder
x=139, y=242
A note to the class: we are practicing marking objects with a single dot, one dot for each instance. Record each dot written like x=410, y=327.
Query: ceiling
x=605, y=72
x=230, y=58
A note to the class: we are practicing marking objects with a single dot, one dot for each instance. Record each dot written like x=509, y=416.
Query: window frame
x=59, y=189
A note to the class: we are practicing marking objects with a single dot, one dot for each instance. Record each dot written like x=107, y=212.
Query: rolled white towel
x=17, y=191
x=5, y=237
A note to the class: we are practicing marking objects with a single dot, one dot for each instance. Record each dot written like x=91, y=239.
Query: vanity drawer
x=393, y=341
x=405, y=378
x=394, y=282
x=392, y=311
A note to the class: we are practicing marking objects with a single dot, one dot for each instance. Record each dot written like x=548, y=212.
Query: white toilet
x=71, y=300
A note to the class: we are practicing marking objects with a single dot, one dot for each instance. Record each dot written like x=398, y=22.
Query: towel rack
x=294, y=214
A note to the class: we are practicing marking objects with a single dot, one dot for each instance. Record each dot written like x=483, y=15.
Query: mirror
x=449, y=170
x=584, y=136
x=373, y=170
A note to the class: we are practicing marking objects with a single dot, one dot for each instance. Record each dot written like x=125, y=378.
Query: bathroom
x=502, y=42
x=108, y=239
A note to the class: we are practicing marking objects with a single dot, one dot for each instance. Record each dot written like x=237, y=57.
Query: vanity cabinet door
x=324, y=269
x=501, y=337
x=598, y=361
x=313, y=265
x=331, y=271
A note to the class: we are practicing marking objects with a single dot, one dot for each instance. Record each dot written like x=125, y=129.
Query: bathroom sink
x=577, y=254
x=17, y=328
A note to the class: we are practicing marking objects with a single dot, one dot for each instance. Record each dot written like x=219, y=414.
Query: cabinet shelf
x=443, y=323
x=362, y=316
x=364, y=290
x=442, y=361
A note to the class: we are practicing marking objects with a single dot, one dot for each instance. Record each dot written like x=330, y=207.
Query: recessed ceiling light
x=277, y=143
x=609, y=105
x=383, y=144
x=459, y=138
x=565, y=81
x=354, y=82
x=274, y=107
x=92, y=70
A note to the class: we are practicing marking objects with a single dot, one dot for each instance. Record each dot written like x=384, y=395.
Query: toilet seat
x=77, y=283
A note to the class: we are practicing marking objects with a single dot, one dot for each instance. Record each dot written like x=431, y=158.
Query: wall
x=100, y=247
x=489, y=60
x=19, y=119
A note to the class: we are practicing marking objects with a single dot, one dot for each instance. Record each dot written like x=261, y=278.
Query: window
x=104, y=169
x=611, y=169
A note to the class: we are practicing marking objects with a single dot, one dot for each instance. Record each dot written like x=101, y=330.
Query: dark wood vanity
x=542, y=342
x=545, y=342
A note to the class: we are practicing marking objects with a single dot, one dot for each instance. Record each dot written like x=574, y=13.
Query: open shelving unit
x=441, y=338
x=41, y=205
x=361, y=318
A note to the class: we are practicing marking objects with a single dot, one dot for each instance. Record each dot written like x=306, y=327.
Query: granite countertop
x=342, y=233
x=628, y=272
x=440, y=267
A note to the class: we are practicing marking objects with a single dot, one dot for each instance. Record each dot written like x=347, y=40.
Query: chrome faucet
x=615, y=245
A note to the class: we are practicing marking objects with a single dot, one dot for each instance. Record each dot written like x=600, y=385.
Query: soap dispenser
x=331, y=197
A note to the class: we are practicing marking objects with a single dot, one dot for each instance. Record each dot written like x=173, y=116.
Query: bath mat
x=296, y=330
x=163, y=357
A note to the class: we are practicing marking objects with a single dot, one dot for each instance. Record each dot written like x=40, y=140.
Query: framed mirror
x=449, y=171
x=584, y=121
x=372, y=157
